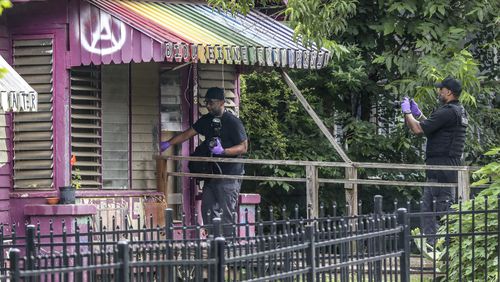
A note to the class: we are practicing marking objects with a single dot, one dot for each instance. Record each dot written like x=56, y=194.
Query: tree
x=386, y=50
x=411, y=44
x=481, y=260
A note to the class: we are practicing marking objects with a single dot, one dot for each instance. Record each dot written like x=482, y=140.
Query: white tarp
x=16, y=94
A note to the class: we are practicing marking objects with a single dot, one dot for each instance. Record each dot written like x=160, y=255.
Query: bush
x=485, y=249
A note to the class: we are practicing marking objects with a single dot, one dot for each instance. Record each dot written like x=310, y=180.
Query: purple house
x=114, y=78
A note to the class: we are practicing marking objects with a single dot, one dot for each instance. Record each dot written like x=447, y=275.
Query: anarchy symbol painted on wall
x=103, y=35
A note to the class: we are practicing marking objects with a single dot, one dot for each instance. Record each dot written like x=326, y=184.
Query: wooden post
x=351, y=190
x=165, y=183
x=463, y=185
x=315, y=117
x=312, y=187
x=161, y=177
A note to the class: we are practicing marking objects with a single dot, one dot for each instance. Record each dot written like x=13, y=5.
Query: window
x=171, y=104
x=115, y=128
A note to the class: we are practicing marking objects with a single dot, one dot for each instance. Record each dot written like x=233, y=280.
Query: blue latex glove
x=416, y=112
x=217, y=149
x=164, y=145
x=405, y=106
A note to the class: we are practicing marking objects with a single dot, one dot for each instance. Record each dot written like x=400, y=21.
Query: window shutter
x=222, y=76
x=86, y=124
x=33, y=132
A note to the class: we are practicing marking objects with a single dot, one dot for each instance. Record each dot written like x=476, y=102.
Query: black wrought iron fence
x=310, y=253
x=465, y=247
x=373, y=247
x=327, y=251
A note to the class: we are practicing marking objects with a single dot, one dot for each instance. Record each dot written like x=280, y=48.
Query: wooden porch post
x=312, y=187
x=161, y=175
x=463, y=185
x=351, y=190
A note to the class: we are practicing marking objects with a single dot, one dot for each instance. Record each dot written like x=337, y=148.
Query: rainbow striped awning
x=124, y=30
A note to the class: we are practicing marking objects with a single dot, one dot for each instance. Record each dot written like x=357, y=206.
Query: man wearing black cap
x=225, y=136
x=445, y=130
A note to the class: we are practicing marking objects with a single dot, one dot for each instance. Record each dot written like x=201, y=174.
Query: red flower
x=73, y=160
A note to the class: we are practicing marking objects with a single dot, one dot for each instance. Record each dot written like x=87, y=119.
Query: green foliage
x=279, y=128
x=483, y=249
x=384, y=50
x=76, y=178
x=484, y=127
x=330, y=19
x=270, y=116
x=242, y=6
x=411, y=45
x=490, y=172
x=417, y=43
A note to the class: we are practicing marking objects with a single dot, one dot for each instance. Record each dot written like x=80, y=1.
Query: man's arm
x=413, y=124
x=422, y=117
x=237, y=149
x=183, y=136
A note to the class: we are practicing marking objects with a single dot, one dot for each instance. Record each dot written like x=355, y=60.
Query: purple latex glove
x=416, y=112
x=217, y=149
x=164, y=145
x=405, y=106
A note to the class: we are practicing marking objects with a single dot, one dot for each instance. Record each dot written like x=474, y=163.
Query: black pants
x=220, y=195
x=438, y=198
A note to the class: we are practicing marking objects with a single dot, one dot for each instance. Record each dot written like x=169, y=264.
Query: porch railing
x=312, y=179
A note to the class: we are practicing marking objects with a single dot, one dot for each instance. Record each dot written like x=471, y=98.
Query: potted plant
x=68, y=192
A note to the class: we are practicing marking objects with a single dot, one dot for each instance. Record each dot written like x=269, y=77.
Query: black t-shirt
x=443, y=116
x=441, y=131
x=232, y=133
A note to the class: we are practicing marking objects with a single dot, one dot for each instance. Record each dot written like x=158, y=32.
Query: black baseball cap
x=215, y=93
x=452, y=84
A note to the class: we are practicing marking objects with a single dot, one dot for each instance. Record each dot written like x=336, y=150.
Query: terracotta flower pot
x=52, y=201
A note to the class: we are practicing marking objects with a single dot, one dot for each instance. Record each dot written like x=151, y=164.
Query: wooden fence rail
x=312, y=179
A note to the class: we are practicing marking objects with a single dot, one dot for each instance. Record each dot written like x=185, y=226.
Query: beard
x=217, y=112
x=441, y=100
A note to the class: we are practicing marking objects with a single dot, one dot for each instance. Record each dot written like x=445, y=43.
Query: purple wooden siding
x=47, y=19
x=125, y=45
x=36, y=15
x=4, y=41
